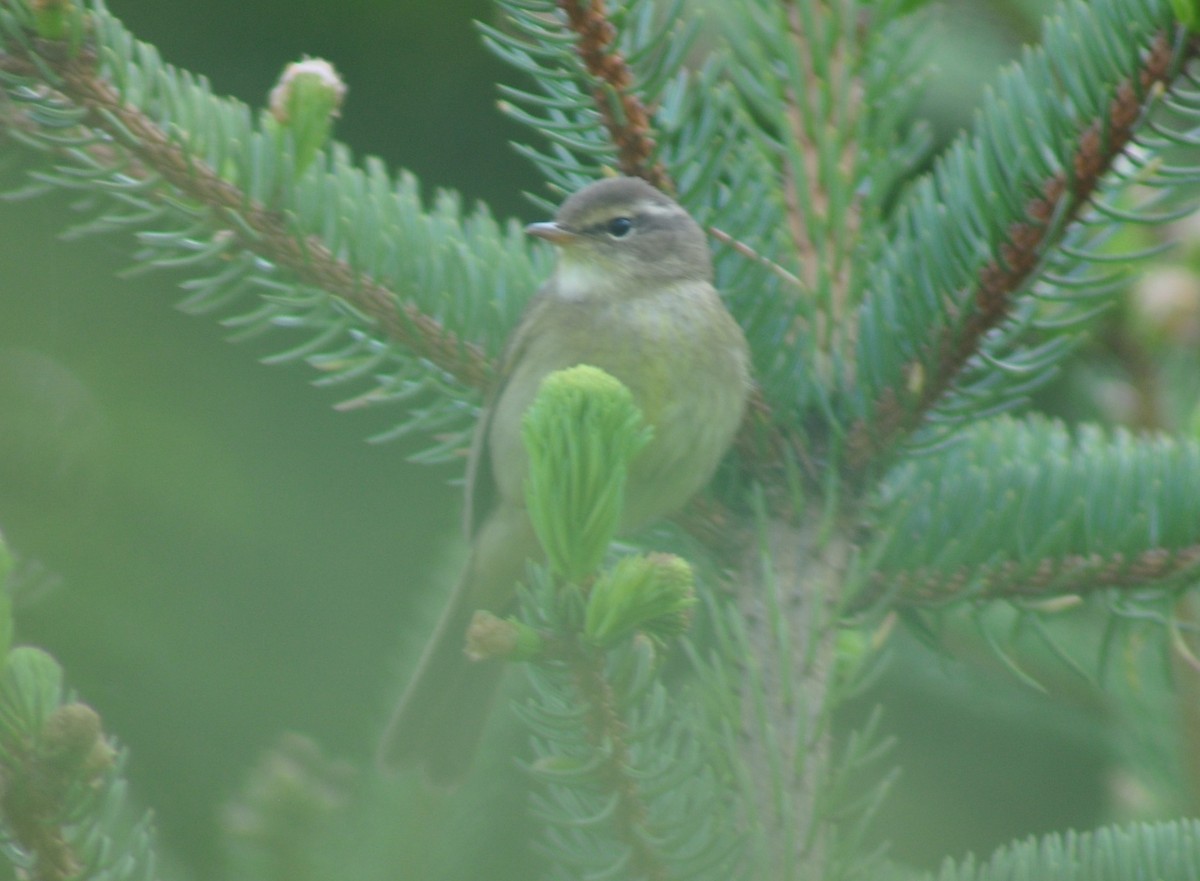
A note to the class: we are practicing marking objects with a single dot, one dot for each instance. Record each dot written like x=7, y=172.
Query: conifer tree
x=678, y=720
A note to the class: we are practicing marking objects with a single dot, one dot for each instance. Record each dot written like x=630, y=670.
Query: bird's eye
x=619, y=227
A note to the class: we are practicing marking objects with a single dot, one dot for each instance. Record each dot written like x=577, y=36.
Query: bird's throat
x=577, y=280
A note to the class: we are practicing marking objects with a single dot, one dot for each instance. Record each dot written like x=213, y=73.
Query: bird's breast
x=680, y=354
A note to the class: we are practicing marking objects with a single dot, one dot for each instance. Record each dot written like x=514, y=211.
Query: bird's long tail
x=441, y=716
x=440, y=719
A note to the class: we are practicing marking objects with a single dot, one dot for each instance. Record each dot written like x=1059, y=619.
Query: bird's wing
x=481, y=494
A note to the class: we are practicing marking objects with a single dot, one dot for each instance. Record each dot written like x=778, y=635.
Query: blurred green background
x=228, y=558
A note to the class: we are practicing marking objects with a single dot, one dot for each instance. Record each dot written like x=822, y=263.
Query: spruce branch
x=798, y=205
x=256, y=227
x=608, y=735
x=1110, y=853
x=274, y=823
x=625, y=785
x=1073, y=574
x=778, y=643
x=825, y=90
x=71, y=752
x=1017, y=255
x=63, y=813
x=601, y=79
x=1027, y=509
x=609, y=744
x=621, y=110
x=824, y=105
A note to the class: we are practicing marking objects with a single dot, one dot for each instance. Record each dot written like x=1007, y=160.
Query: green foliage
x=469, y=271
x=274, y=827
x=624, y=789
x=63, y=811
x=30, y=690
x=623, y=786
x=835, y=135
x=304, y=103
x=889, y=320
x=1031, y=503
x=581, y=432
x=652, y=39
x=7, y=564
x=997, y=206
x=641, y=594
x=59, y=20
x=1186, y=12
x=1164, y=850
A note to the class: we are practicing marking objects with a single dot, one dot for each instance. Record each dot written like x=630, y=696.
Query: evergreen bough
x=892, y=318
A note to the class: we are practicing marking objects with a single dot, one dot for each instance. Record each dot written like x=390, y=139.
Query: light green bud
x=490, y=637
x=305, y=101
x=580, y=434
x=652, y=594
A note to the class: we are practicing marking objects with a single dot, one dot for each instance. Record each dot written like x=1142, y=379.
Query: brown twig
x=621, y=110
x=897, y=411
x=800, y=234
x=609, y=736
x=820, y=250
x=306, y=257
x=1070, y=575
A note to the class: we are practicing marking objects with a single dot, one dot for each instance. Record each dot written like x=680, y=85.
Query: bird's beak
x=551, y=232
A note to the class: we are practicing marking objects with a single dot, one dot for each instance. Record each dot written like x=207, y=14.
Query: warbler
x=632, y=293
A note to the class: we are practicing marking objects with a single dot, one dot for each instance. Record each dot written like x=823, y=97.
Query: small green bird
x=632, y=294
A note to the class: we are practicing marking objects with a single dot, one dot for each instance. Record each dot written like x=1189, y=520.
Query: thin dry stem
x=750, y=254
